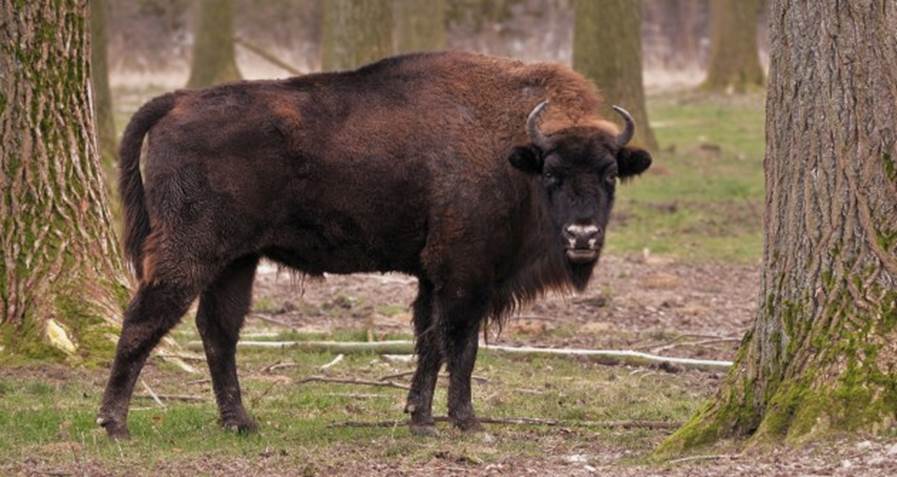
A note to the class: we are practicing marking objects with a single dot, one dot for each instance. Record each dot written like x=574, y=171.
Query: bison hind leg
x=222, y=308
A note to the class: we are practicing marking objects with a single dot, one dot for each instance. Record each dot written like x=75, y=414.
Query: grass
x=702, y=199
x=41, y=415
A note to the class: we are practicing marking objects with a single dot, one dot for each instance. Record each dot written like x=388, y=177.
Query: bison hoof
x=245, y=425
x=115, y=429
x=471, y=424
x=424, y=430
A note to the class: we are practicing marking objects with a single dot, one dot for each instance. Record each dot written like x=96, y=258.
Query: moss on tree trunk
x=214, y=60
x=822, y=355
x=355, y=32
x=62, y=282
x=607, y=48
x=419, y=25
x=734, y=61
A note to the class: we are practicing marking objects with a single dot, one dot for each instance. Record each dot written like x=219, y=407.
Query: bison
x=488, y=179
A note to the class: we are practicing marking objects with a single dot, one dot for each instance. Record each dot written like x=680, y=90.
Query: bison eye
x=611, y=178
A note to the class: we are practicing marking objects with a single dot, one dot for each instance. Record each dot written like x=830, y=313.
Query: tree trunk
x=213, y=47
x=734, y=61
x=61, y=278
x=355, y=32
x=419, y=25
x=102, y=99
x=822, y=354
x=607, y=48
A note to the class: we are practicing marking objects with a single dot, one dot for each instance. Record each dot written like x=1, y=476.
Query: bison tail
x=130, y=182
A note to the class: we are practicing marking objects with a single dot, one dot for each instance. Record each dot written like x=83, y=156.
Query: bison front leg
x=460, y=314
x=429, y=360
x=222, y=308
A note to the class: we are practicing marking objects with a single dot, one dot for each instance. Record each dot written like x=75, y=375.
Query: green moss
x=889, y=166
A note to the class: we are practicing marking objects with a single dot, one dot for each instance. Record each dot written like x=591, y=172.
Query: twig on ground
x=152, y=394
x=694, y=343
x=405, y=374
x=271, y=319
x=336, y=360
x=359, y=382
x=702, y=457
x=185, y=356
x=173, y=397
x=527, y=421
x=606, y=357
x=356, y=395
x=199, y=381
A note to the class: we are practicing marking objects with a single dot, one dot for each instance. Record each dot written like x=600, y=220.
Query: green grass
x=40, y=416
x=702, y=199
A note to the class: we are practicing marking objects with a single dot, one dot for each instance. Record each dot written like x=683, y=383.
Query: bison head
x=578, y=168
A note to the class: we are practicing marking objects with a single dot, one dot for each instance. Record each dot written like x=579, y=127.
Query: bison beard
x=434, y=165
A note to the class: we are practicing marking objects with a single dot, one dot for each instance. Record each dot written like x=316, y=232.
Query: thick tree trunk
x=419, y=25
x=607, y=48
x=822, y=355
x=61, y=275
x=734, y=61
x=355, y=32
x=214, y=60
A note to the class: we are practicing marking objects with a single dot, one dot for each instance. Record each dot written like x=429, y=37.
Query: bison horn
x=532, y=125
x=628, y=130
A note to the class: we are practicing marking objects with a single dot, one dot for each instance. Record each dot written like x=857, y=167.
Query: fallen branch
x=360, y=382
x=405, y=374
x=173, y=397
x=606, y=357
x=526, y=421
x=267, y=56
x=152, y=394
x=694, y=343
x=271, y=319
x=336, y=360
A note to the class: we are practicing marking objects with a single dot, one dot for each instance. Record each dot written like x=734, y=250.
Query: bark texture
x=822, y=354
x=356, y=32
x=61, y=275
x=734, y=60
x=607, y=48
x=214, y=60
x=419, y=25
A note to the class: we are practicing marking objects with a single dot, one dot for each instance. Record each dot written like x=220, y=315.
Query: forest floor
x=680, y=278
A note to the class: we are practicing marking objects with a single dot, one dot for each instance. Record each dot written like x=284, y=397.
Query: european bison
x=489, y=180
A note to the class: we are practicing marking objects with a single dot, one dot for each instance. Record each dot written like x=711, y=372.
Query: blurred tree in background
x=107, y=139
x=734, y=62
x=62, y=281
x=355, y=32
x=214, y=60
x=419, y=25
x=607, y=48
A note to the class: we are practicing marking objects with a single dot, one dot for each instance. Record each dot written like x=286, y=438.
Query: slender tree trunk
x=214, y=60
x=61, y=276
x=607, y=48
x=822, y=354
x=734, y=61
x=355, y=32
x=419, y=25
x=102, y=99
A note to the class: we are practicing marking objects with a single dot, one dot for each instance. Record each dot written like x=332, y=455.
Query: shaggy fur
x=417, y=164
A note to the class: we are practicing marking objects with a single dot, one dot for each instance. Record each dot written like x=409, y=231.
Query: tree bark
x=355, y=32
x=102, y=99
x=734, y=60
x=62, y=282
x=214, y=60
x=822, y=354
x=419, y=25
x=607, y=48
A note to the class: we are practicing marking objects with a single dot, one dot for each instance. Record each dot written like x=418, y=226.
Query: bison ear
x=526, y=158
x=632, y=161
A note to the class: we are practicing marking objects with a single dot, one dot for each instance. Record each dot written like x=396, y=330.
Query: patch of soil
x=633, y=303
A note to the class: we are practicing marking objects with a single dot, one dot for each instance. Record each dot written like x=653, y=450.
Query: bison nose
x=582, y=236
